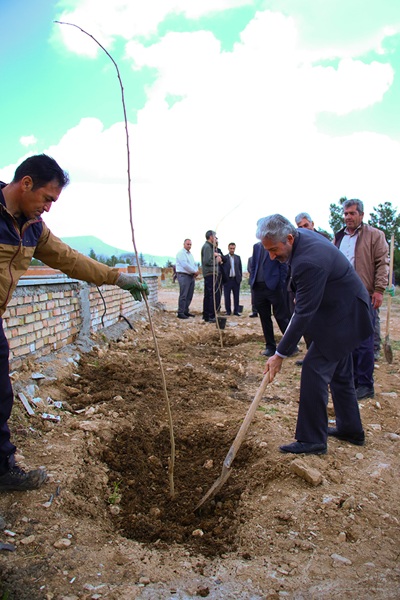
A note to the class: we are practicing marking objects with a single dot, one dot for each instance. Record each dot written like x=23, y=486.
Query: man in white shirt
x=186, y=271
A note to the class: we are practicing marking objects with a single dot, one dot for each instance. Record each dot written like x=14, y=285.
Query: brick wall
x=45, y=315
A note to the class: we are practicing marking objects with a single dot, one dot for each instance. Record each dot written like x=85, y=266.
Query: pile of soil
x=116, y=521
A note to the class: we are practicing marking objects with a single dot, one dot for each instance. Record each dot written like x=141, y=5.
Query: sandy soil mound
x=105, y=524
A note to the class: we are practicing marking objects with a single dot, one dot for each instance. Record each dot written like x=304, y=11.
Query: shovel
x=387, y=348
x=226, y=467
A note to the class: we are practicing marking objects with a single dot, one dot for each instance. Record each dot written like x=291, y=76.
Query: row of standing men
x=364, y=246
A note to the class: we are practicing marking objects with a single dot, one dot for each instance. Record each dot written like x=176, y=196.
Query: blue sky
x=237, y=109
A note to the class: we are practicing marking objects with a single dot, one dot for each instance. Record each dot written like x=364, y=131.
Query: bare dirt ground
x=104, y=525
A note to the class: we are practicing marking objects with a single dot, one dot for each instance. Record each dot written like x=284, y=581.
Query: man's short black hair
x=42, y=169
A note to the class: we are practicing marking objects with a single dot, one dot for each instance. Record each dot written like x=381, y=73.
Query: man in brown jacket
x=37, y=184
x=367, y=250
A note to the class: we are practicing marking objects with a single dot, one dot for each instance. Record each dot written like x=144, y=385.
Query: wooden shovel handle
x=246, y=422
x=389, y=303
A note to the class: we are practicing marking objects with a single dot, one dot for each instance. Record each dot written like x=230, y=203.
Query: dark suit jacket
x=275, y=273
x=332, y=304
x=226, y=267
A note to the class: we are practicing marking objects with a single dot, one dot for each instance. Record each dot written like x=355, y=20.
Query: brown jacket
x=371, y=257
x=35, y=240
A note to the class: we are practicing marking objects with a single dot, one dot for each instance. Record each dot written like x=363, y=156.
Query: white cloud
x=27, y=140
x=240, y=144
x=354, y=85
x=124, y=18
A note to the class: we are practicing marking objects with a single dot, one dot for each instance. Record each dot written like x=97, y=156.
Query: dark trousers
x=316, y=375
x=208, y=300
x=253, y=306
x=186, y=289
x=265, y=302
x=6, y=403
x=364, y=360
x=231, y=286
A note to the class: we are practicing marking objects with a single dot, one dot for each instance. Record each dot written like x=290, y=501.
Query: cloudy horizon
x=237, y=109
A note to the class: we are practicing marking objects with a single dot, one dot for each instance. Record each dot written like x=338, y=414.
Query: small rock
x=393, y=436
x=38, y=376
x=202, y=591
x=28, y=540
x=62, y=543
x=307, y=473
x=114, y=509
x=154, y=460
x=375, y=426
x=341, y=559
x=208, y=464
x=349, y=503
x=263, y=445
x=380, y=470
x=89, y=425
x=359, y=456
x=198, y=533
x=144, y=580
x=389, y=394
x=155, y=512
x=342, y=537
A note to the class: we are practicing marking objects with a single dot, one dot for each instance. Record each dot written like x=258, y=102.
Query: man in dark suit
x=332, y=307
x=268, y=283
x=232, y=277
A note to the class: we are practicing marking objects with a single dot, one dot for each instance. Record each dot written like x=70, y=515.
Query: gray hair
x=354, y=202
x=275, y=228
x=302, y=216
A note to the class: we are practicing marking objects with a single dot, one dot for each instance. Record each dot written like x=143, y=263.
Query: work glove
x=131, y=284
x=390, y=289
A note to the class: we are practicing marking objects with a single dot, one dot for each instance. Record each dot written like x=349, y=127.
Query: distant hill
x=86, y=243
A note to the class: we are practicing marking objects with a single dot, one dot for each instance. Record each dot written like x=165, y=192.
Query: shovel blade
x=388, y=352
x=214, y=489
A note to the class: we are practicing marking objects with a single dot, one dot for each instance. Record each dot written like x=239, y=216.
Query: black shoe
x=299, y=363
x=228, y=314
x=304, y=448
x=189, y=315
x=357, y=439
x=364, y=391
x=19, y=480
x=268, y=352
x=211, y=321
x=237, y=314
x=183, y=317
x=253, y=315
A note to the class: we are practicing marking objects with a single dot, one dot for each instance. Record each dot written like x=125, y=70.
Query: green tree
x=169, y=263
x=92, y=254
x=386, y=218
x=336, y=221
x=112, y=261
x=325, y=233
x=142, y=260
